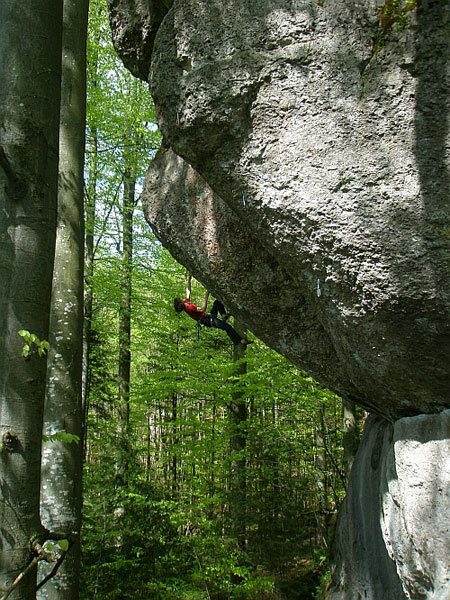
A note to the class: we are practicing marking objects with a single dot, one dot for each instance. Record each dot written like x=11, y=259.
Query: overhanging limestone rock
x=331, y=158
x=134, y=25
x=186, y=214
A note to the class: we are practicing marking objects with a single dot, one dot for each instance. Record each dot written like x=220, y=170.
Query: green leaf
x=64, y=545
x=61, y=436
x=24, y=333
x=26, y=351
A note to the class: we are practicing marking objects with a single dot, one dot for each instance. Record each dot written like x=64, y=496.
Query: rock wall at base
x=392, y=537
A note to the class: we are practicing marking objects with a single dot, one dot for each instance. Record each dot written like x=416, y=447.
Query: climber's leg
x=232, y=333
x=218, y=307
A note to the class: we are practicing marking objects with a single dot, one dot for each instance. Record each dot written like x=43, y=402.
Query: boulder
x=322, y=137
x=233, y=265
x=134, y=25
x=392, y=537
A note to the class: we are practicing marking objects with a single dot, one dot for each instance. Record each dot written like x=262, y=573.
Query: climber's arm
x=188, y=286
x=205, y=303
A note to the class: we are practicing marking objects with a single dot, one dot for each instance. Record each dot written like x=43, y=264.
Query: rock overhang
x=304, y=150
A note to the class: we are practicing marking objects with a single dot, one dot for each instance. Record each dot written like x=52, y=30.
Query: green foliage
x=64, y=545
x=322, y=588
x=169, y=535
x=33, y=344
x=61, y=436
x=136, y=533
x=57, y=547
x=393, y=15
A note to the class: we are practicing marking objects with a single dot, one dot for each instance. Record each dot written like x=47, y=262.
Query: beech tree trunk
x=322, y=483
x=125, y=324
x=62, y=462
x=350, y=439
x=238, y=479
x=88, y=276
x=30, y=75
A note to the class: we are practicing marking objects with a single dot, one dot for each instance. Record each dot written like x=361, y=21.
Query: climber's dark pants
x=211, y=320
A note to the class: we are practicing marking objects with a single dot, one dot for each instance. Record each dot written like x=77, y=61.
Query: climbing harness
x=206, y=321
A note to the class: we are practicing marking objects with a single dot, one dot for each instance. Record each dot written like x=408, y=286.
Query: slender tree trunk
x=212, y=482
x=88, y=275
x=90, y=208
x=238, y=477
x=62, y=462
x=148, y=461
x=321, y=478
x=124, y=358
x=350, y=439
x=125, y=324
x=30, y=75
x=276, y=480
x=174, y=438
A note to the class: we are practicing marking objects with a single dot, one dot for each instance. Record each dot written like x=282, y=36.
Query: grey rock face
x=134, y=24
x=332, y=160
x=231, y=263
x=393, y=532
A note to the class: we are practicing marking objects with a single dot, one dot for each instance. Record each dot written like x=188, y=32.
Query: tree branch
x=59, y=562
x=40, y=554
x=18, y=579
x=334, y=463
x=4, y=162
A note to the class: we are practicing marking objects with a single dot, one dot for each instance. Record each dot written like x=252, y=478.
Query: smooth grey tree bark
x=238, y=477
x=320, y=462
x=30, y=75
x=128, y=205
x=62, y=461
x=350, y=439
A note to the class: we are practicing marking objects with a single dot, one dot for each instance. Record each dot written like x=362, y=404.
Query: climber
x=208, y=319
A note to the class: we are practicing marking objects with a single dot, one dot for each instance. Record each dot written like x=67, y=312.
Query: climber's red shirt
x=193, y=310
